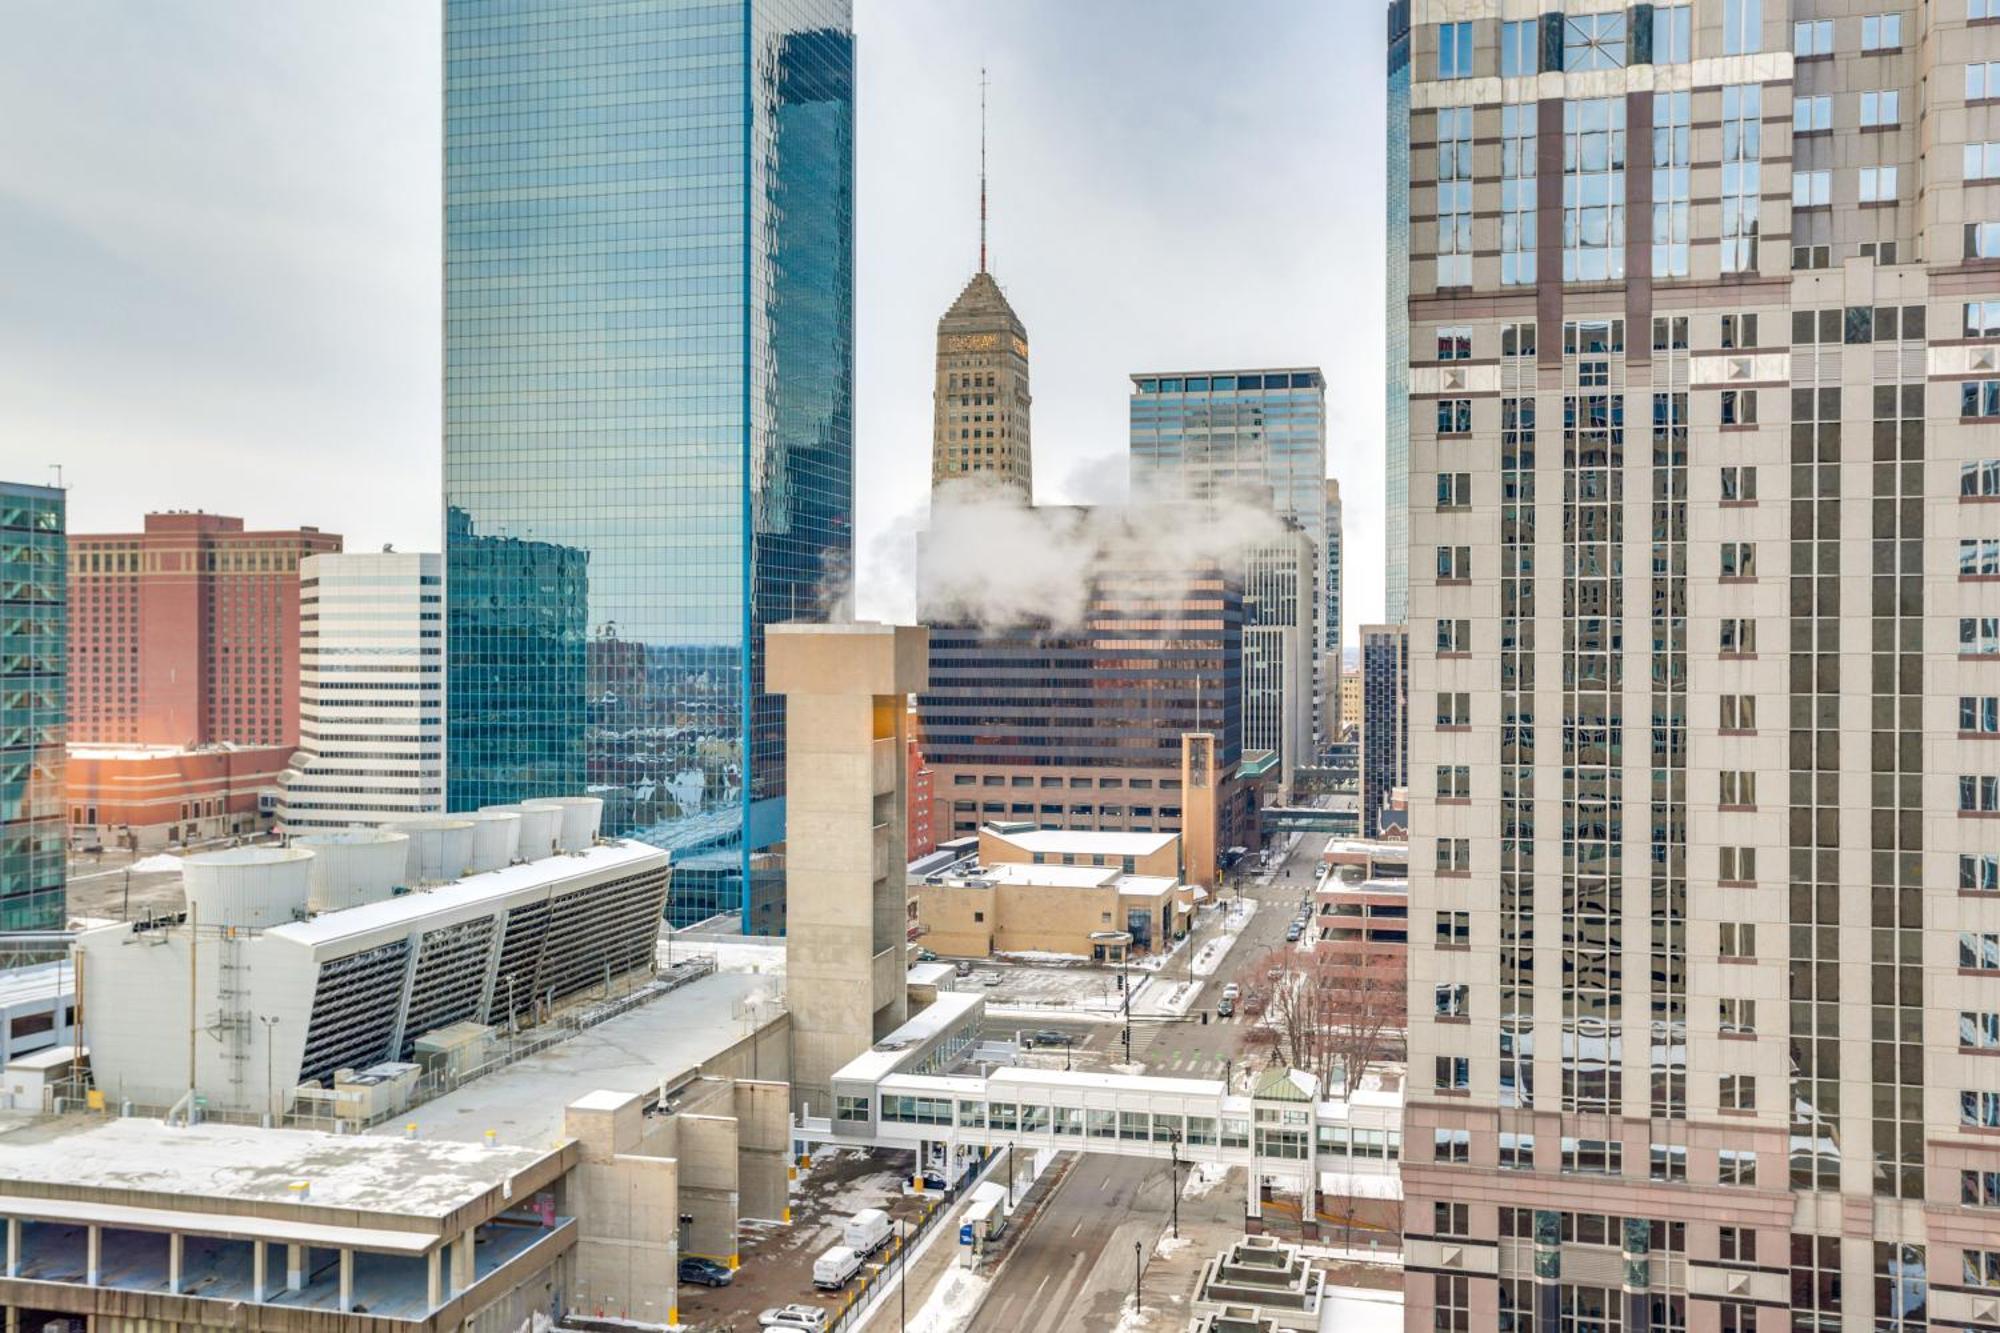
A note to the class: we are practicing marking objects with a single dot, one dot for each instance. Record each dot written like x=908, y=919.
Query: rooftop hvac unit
x=581, y=816
x=496, y=838
x=353, y=866
x=251, y=887
x=440, y=848
x=539, y=824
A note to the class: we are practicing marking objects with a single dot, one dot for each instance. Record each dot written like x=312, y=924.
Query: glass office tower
x=1396, y=315
x=649, y=380
x=34, y=674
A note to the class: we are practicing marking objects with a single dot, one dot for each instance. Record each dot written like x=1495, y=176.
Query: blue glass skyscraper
x=649, y=375
x=34, y=678
x=1396, y=313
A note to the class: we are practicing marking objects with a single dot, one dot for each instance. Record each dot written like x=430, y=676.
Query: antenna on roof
x=982, y=168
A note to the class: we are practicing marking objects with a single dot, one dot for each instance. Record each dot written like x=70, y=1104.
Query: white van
x=867, y=1231
x=832, y=1270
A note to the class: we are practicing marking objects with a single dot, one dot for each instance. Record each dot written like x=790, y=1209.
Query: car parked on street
x=705, y=1273
x=1047, y=1037
x=1231, y=991
x=1225, y=1006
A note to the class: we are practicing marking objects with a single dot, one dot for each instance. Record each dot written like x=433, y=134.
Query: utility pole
x=270, y=1023
x=903, y=1274
x=1138, y=1276
x=1125, y=985
x=1174, y=1154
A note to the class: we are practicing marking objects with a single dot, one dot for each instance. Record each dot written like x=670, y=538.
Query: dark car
x=1224, y=1007
x=1292, y=933
x=706, y=1273
x=1047, y=1037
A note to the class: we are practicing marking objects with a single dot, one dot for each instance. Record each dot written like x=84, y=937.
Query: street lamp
x=1123, y=939
x=1138, y=1275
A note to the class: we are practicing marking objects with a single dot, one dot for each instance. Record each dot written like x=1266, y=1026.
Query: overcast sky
x=219, y=244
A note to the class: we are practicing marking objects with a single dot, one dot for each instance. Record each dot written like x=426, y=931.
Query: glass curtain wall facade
x=1396, y=412
x=1334, y=654
x=648, y=408
x=1703, y=844
x=34, y=656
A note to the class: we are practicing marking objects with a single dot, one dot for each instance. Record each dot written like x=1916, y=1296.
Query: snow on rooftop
x=1147, y=886
x=472, y=891
x=1083, y=1079
x=523, y=1103
x=1060, y=877
x=424, y=1178
x=879, y=1062
x=1081, y=842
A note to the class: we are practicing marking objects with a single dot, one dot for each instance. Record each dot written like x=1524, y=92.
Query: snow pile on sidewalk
x=1040, y=956
x=1170, y=1245
x=952, y=1304
x=1203, y=1178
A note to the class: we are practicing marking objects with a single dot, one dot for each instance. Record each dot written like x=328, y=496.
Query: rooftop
x=1081, y=1079
x=1077, y=842
x=882, y=1059
x=246, y=1163
x=523, y=1103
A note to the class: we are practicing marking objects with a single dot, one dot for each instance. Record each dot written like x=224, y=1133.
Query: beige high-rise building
x=981, y=399
x=1704, y=329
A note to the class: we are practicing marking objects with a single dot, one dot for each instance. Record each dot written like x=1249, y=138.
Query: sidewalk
x=1173, y=996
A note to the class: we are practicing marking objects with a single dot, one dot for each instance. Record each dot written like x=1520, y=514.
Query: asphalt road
x=1073, y=1266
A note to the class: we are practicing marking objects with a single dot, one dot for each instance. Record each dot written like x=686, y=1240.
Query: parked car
x=1231, y=991
x=706, y=1273
x=923, y=956
x=1047, y=1037
x=1225, y=1006
x=808, y=1317
x=1292, y=933
x=832, y=1270
x=989, y=978
x=867, y=1231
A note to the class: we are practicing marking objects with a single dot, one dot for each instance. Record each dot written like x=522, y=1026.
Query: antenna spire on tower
x=982, y=168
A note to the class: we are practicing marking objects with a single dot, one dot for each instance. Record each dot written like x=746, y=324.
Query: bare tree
x=1322, y=1017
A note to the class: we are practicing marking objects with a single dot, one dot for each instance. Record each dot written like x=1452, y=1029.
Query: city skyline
x=302, y=373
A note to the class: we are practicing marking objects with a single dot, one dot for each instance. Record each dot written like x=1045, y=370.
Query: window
x=1594, y=41
x=1978, y=795
x=1517, y=200
x=1981, y=1268
x=1737, y=1092
x=1982, y=80
x=1670, y=334
x=1736, y=1317
x=1520, y=45
x=1671, y=149
x=1979, y=398
x=1738, y=712
x=1454, y=856
x=1878, y=185
x=1517, y=340
x=1881, y=32
x=1454, y=637
x=1451, y=1146
x=1739, y=330
x=1812, y=39
x=1811, y=115
x=850, y=1109
x=1978, y=557
x=1982, y=161
x=1517, y=1151
x=1453, y=1001
x=1739, y=484
x=1880, y=108
x=1454, y=416
x=1594, y=189
x=1978, y=714
x=1673, y=30
x=1979, y=480
x=1454, y=930
x=1454, y=782
x=1454, y=50
x=1737, y=1245
x=1737, y=939
x=1978, y=951
x=1454, y=564
x=1978, y=1031
x=1451, y=1302
x=1451, y=1219
x=1739, y=407
x=1982, y=318
x=1603, y=1157
x=1979, y=1110
x=1979, y=1189
x=1454, y=197
x=1454, y=1073
x=1669, y=1162
x=1737, y=637
x=1738, y=788
x=1454, y=709
x=1739, y=560
x=1979, y=872
x=1812, y=189
x=1982, y=9
x=1742, y=27
x=1454, y=490
x=1454, y=344
x=1736, y=865
x=1736, y=1166
x=1812, y=256
x=1736, y=1016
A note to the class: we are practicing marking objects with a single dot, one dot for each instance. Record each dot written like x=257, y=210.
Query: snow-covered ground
x=1359, y=1310
x=1205, y=1176
x=952, y=1304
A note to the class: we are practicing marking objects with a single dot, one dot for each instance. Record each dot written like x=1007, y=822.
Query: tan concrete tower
x=846, y=691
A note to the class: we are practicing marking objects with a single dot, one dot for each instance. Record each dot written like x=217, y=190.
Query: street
x=1073, y=1268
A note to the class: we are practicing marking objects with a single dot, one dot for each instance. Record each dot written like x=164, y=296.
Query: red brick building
x=922, y=832
x=151, y=796
x=187, y=633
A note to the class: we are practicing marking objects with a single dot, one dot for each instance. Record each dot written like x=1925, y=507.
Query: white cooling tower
x=539, y=824
x=354, y=866
x=252, y=887
x=580, y=818
x=440, y=848
x=496, y=838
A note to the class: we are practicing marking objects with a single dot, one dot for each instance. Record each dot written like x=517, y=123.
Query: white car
x=1231, y=991
x=809, y=1317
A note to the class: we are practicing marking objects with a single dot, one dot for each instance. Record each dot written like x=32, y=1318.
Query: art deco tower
x=981, y=424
